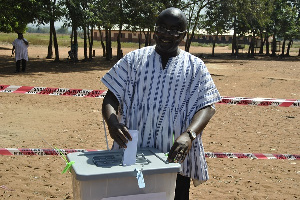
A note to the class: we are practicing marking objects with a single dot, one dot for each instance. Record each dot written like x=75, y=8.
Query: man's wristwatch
x=192, y=134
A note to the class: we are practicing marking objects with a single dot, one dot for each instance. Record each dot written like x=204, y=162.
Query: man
x=20, y=46
x=164, y=93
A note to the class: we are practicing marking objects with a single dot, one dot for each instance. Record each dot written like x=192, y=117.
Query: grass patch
x=296, y=44
x=64, y=40
x=197, y=44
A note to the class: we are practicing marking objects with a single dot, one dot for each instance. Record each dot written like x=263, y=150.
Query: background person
x=20, y=48
x=163, y=92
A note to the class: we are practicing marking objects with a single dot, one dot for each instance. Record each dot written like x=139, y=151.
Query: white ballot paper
x=129, y=156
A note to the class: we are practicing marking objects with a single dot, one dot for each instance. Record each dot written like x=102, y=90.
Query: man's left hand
x=180, y=148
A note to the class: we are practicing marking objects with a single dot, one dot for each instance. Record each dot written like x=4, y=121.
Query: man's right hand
x=119, y=133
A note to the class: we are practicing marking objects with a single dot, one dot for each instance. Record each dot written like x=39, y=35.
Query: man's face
x=167, y=40
x=20, y=36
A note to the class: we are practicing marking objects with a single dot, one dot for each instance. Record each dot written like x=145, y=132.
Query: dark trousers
x=23, y=65
x=182, y=190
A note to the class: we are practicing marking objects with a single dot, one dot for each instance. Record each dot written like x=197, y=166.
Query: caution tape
x=52, y=91
x=39, y=152
x=102, y=93
x=260, y=101
x=253, y=156
x=53, y=152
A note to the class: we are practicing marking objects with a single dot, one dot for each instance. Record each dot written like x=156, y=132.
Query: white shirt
x=21, y=51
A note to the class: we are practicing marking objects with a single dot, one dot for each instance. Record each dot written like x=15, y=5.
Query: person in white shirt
x=20, y=49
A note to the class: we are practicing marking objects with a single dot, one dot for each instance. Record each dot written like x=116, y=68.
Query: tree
x=257, y=19
x=51, y=13
x=238, y=11
x=84, y=24
x=15, y=15
x=288, y=24
x=107, y=13
x=193, y=9
x=120, y=20
x=142, y=16
x=99, y=21
x=74, y=16
x=216, y=19
x=275, y=23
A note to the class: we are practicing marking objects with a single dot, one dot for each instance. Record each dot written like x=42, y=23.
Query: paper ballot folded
x=129, y=156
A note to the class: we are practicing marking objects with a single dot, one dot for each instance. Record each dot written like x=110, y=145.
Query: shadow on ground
x=36, y=65
x=5, y=48
x=228, y=58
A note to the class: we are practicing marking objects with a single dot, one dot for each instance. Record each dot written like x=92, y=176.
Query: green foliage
x=142, y=14
x=271, y=17
x=15, y=15
x=217, y=18
x=288, y=21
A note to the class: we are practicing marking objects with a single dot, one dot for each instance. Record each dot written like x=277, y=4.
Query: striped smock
x=161, y=102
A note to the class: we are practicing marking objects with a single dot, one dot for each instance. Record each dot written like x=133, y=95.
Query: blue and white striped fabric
x=161, y=102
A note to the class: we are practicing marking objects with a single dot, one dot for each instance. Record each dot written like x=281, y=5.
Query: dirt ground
x=28, y=121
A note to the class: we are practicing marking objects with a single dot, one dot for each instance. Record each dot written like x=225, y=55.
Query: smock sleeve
x=116, y=79
x=203, y=91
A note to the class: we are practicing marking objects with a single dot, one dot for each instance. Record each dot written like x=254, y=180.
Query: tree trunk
x=288, y=48
x=234, y=45
x=274, y=46
x=91, y=42
x=84, y=43
x=253, y=43
x=251, y=47
x=189, y=41
x=149, y=38
x=108, y=43
x=109, y=39
x=102, y=43
x=283, y=48
x=92, y=38
x=140, y=39
x=74, y=44
x=119, y=48
x=267, y=44
x=213, y=47
x=55, y=44
x=50, y=52
x=146, y=38
x=261, y=49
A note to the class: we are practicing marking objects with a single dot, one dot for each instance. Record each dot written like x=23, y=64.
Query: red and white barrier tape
x=29, y=151
x=260, y=101
x=102, y=93
x=52, y=91
x=40, y=152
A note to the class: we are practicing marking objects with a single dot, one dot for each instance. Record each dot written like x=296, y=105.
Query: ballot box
x=100, y=175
